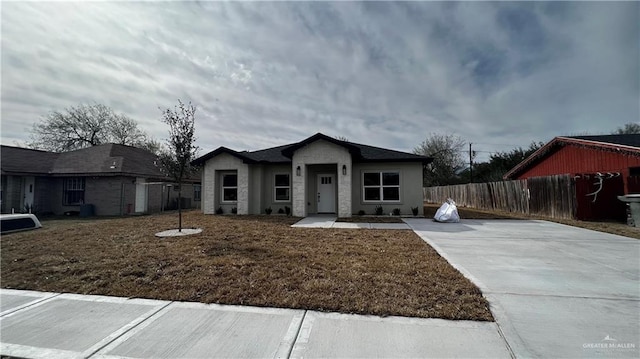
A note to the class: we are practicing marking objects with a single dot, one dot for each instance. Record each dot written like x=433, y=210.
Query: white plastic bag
x=448, y=212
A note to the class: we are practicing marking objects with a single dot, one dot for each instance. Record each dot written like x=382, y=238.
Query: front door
x=326, y=193
x=29, y=184
x=141, y=196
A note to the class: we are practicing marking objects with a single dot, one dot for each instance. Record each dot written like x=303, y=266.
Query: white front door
x=141, y=196
x=29, y=188
x=326, y=193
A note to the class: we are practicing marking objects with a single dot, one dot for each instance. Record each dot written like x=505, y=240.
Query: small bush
x=268, y=210
x=414, y=210
x=360, y=213
x=379, y=211
x=287, y=210
x=281, y=211
x=234, y=210
x=396, y=211
x=219, y=210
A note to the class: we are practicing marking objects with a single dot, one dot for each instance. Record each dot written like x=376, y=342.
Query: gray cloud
x=388, y=74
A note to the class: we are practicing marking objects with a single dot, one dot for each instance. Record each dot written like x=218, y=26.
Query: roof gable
x=291, y=149
x=620, y=143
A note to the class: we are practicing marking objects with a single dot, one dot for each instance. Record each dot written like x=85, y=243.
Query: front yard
x=248, y=260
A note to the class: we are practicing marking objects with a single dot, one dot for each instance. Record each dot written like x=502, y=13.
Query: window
x=229, y=187
x=197, y=192
x=381, y=186
x=282, y=191
x=73, y=191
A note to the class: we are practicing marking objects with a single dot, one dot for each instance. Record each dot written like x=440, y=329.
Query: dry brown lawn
x=621, y=229
x=248, y=260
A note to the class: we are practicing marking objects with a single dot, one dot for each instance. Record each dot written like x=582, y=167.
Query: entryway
x=27, y=200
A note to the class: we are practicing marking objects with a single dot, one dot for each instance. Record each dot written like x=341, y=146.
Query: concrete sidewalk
x=321, y=221
x=555, y=291
x=52, y=325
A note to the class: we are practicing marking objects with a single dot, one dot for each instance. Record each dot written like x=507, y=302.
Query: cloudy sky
x=262, y=74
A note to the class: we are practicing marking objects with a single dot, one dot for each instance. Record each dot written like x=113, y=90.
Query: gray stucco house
x=320, y=174
x=114, y=179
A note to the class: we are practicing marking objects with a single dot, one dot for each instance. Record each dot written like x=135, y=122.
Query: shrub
x=287, y=210
x=234, y=210
x=396, y=211
x=379, y=210
x=281, y=211
x=360, y=213
x=219, y=210
x=268, y=210
x=414, y=210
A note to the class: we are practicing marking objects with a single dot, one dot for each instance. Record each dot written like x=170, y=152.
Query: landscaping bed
x=247, y=260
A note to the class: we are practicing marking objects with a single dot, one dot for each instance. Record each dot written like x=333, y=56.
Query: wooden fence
x=552, y=196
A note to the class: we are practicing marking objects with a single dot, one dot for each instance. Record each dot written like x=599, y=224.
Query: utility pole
x=470, y=164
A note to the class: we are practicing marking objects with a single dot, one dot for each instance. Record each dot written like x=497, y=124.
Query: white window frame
x=223, y=187
x=275, y=187
x=382, y=186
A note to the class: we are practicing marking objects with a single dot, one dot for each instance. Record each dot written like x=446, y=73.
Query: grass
x=247, y=260
x=621, y=229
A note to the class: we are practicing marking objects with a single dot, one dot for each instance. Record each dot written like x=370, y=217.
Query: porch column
x=298, y=192
x=344, y=187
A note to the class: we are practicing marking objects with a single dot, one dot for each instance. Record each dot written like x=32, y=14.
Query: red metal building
x=603, y=167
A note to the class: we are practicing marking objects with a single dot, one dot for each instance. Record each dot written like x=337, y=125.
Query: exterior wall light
x=298, y=171
x=344, y=170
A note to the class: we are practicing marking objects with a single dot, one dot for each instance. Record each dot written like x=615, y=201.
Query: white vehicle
x=18, y=222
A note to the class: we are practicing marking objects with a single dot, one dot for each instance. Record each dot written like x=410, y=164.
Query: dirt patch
x=620, y=229
x=247, y=260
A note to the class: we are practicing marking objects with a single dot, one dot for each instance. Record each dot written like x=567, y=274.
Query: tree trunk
x=179, y=207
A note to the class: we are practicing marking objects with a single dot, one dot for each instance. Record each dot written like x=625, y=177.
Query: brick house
x=114, y=179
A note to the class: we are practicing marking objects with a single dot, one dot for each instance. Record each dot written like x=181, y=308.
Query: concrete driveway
x=555, y=290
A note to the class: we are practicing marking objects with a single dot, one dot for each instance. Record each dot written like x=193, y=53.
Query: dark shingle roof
x=107, y=159
x=632, y=140
x=23, y=160
x=271, y=155
x=283, y=154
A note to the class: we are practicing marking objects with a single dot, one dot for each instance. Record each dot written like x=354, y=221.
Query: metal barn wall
x=573, y=159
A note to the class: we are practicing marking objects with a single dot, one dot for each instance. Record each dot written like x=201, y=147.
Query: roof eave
x=559, y=142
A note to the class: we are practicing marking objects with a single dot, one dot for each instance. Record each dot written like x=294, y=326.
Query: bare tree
x=628, y=129
x=176, y=158
x=342, y=138
x=446, y=151
x=85, y=126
